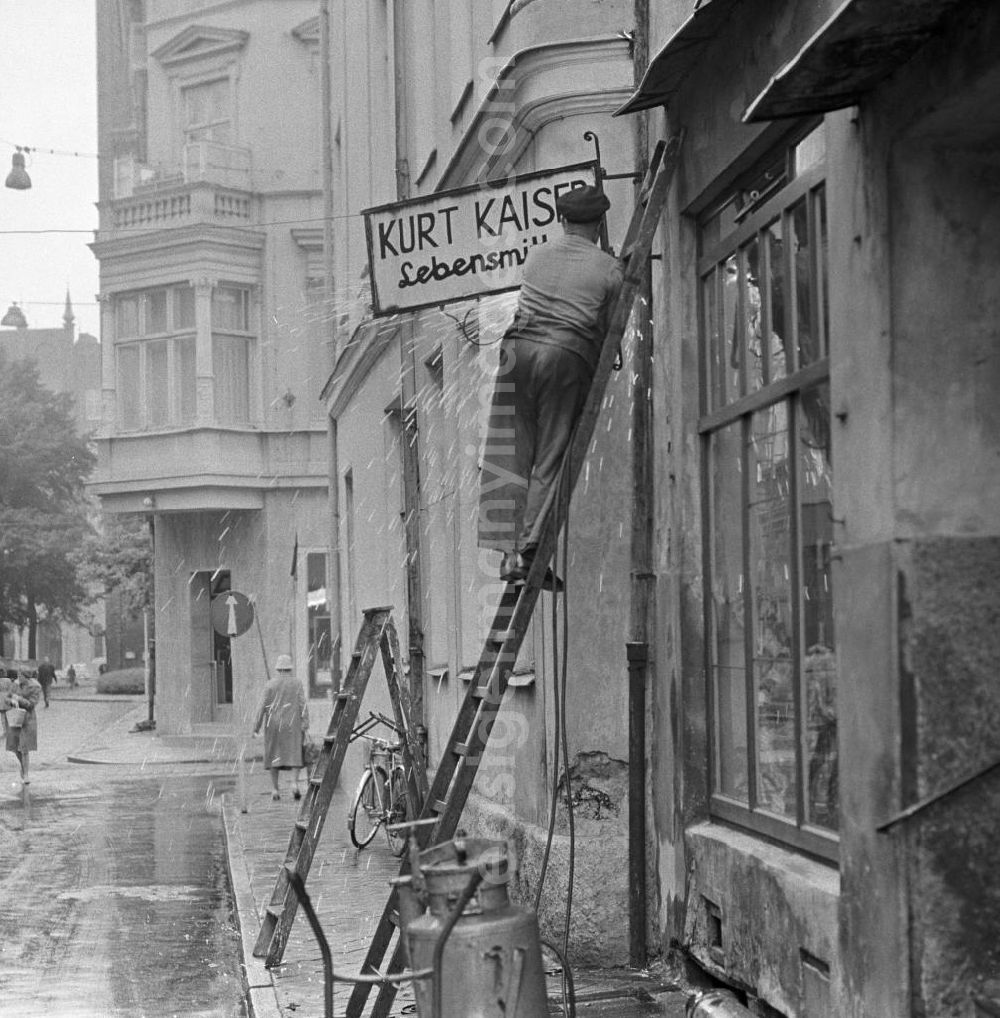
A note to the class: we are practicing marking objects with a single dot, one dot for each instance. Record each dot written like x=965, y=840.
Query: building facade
x=215, y=336
x=436, y=96
x=824, y=774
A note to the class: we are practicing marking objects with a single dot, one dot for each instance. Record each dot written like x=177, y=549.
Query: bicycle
x=380, y=799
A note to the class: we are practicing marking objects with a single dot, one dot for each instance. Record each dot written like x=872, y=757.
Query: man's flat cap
x=582, y=204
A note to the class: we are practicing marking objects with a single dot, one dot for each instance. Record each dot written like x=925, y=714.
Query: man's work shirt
x=569, y=286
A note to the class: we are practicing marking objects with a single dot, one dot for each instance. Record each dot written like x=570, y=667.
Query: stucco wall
x=256, y=547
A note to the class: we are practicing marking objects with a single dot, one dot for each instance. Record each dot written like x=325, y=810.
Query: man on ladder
x=548, y=357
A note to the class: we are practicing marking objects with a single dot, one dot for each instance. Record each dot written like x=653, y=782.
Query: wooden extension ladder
x=460, y=760
x=377, y=634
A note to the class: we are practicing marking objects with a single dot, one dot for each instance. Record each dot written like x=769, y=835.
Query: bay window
x=156, y=348
x=155, y=358
x=767, y=481
x=231, y=353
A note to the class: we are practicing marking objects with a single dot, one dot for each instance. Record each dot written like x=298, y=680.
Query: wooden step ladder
x=459, y=762
x=377, y=634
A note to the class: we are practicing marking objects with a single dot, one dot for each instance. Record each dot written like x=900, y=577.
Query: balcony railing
x=207, y=161
x=180, y=205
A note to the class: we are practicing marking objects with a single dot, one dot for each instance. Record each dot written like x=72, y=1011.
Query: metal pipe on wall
x=642, y=590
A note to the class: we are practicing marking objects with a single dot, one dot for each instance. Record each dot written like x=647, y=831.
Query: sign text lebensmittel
x=454, y=245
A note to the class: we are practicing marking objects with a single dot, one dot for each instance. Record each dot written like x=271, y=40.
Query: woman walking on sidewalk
x=23, y=691
x=284, y=714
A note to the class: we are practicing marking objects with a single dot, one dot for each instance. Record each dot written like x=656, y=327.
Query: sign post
x=464, y=243
x=232, y=615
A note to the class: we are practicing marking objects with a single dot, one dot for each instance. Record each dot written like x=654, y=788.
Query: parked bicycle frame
x=380, y=799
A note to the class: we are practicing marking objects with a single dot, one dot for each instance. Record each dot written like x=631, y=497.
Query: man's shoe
x=515, y=567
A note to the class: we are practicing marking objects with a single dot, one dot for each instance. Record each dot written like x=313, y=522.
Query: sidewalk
x=120, y=743
x=349, y=890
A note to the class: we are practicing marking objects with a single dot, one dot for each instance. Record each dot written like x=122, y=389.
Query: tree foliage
x=43, y=511
x=120, y=558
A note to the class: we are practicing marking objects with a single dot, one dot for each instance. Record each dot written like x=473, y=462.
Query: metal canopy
x=672, y=63
x=862, y=43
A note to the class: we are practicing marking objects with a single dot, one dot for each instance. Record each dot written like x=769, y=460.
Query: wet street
x=113, y=890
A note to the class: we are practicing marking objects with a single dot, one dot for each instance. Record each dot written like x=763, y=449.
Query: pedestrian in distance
x=26, y=692
x=71, y=677
x=46, y=676
x=548, y=357
x=284, y=716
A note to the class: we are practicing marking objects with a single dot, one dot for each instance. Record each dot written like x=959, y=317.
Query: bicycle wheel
x=366, y=811
x=397, y=812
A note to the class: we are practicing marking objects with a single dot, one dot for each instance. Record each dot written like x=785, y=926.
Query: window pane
x=229, y=309
x=816, y=486
x=819, y=205
x=809, y=152
x=127, y=388
x=727, y=612
x=731, y=335
x=230, y=367
x=183, y=307
x=771, y=584
x=207, y=103
x=808, y=337
x=777, y=367
x=127, y=317
x=752, y=268
x=318, y=607
x=186, y=382
x=156, y=312
x=715, y=366
x=157, y=398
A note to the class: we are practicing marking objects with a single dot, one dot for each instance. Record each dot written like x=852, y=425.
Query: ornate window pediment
x=200, y=42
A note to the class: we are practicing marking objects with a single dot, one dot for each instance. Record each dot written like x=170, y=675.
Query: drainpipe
x=642, y=590
x=333, y=489
x=333, y=580
x=327, y=100
x=399, y=102
x=410, y=435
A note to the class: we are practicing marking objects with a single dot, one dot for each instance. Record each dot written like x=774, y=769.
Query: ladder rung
x=394, y=917
x=479, y=691
x=315, y=781
x=343, y=694
x=440, y=805
x=461, y=748
x=302, y=825
x=273, y=911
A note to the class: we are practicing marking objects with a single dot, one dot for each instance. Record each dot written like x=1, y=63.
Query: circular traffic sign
x=232, y=613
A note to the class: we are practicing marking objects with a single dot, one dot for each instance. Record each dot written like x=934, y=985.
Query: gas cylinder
x=716, y=1003
x=491, y=965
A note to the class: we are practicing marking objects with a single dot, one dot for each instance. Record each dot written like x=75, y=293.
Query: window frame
x=244, y=335
x=777, y=202
x=142, y=342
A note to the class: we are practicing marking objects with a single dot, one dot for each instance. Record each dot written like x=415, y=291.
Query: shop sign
x=454, y=245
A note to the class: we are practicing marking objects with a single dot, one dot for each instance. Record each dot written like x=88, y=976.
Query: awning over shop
x=671, y=65
x=862, y=43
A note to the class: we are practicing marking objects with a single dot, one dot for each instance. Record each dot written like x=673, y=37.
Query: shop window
x=765, y=427
x=320, y=624
x=155, y=363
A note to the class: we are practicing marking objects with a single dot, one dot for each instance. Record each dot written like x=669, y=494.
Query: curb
x=261, y=993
